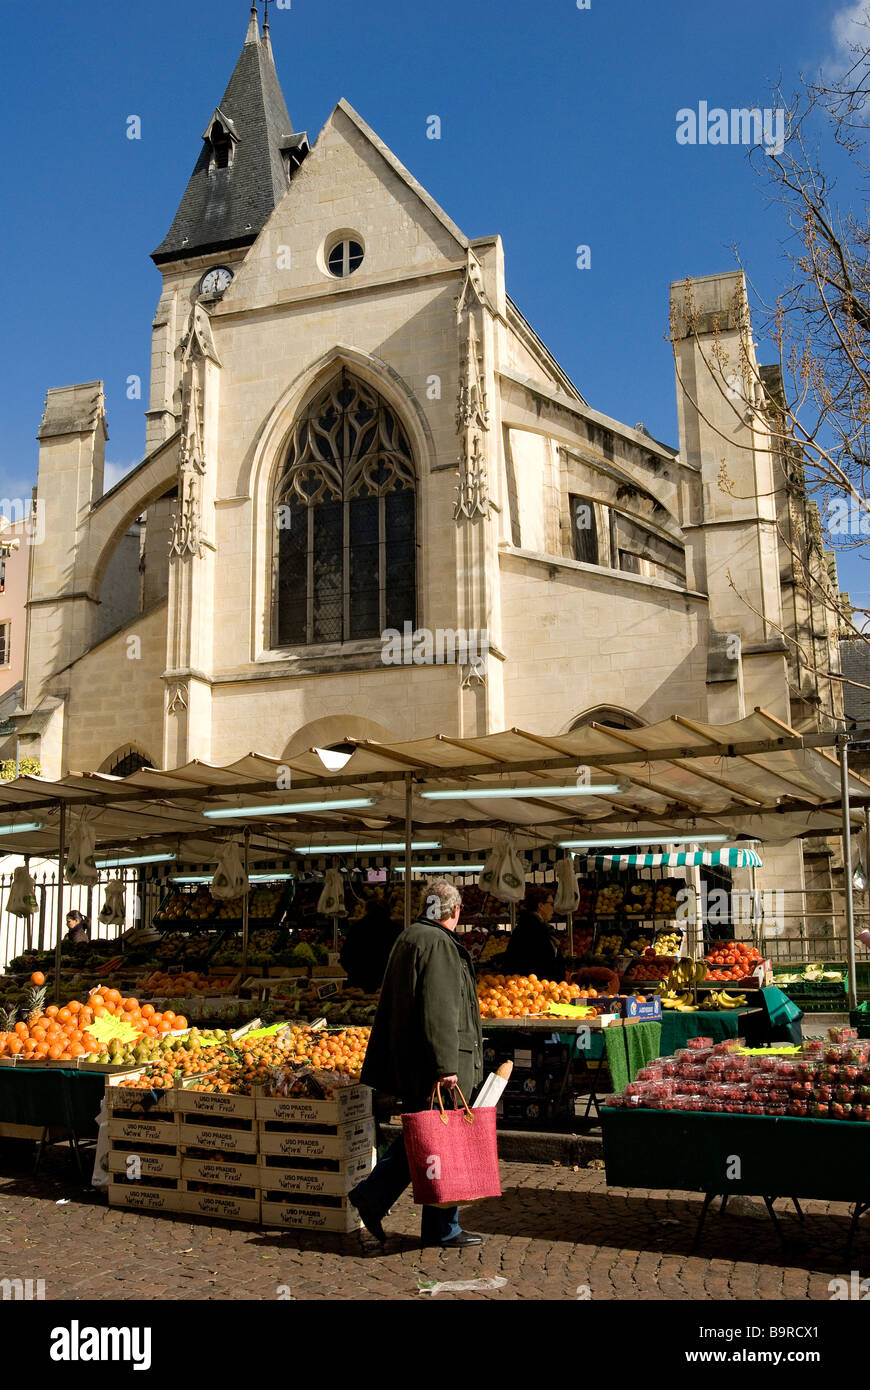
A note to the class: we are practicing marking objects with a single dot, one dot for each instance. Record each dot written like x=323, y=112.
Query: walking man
x=426, y=1030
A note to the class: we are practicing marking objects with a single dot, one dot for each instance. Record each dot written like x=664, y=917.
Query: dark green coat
x=428, y=1019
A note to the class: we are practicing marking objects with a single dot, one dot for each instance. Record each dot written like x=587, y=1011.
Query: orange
x=37, y=978
x=51, y=1010
x=64, y=1015
x=180, y=1021
x=21, y=1030
x=147, y=1010
x=74, y=1006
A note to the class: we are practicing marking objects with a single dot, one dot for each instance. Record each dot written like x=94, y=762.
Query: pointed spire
x=267, y=42
x=228, y=200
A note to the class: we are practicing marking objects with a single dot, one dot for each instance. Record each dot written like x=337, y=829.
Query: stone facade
x=685, y=602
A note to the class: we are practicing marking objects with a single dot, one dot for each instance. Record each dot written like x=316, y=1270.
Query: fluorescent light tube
x=395, y=846
x=486, y=793
x=21, y=827
x=235, y=813
x=133, y=859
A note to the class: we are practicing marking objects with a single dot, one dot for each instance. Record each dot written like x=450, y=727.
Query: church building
x=372, y=504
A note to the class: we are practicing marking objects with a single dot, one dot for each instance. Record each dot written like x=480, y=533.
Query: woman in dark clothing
x=533, y=948
x=78, y=929
x=367, y=947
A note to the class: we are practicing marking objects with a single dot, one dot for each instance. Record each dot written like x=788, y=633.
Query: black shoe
x=455, y=1243
x=369, y=1217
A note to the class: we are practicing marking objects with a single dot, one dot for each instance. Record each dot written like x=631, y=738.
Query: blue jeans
x=388, y=1180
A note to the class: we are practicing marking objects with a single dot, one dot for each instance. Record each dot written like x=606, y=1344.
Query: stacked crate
x=217, y=1137
x=144, y=1159
x=260, y=1159
x=311, y=1154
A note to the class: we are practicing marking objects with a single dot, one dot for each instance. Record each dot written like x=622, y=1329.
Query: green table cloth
x=629, y=1047
x=706, y=1023
x=758, y=1155
x=52, y=1096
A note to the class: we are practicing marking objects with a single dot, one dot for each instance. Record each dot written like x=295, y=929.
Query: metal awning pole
x=58, y=908
x=843, y=747
x=247, y=840
x=409, y=794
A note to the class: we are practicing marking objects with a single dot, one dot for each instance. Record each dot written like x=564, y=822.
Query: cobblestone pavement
x=554, y=1232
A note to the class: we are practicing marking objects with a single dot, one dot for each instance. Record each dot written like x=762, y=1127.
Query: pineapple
x=8, y=1018
x=34, y=1002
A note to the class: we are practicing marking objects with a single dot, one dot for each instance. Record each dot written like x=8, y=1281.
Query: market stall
x=720, y=1118
x=406, y=811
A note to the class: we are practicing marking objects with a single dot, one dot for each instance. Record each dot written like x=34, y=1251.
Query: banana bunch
x=681, y=1003
x=725, y=1000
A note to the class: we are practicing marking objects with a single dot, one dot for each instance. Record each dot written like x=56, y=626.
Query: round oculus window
x=345, y=257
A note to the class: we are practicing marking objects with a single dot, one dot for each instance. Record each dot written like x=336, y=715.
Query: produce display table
x=50, y=1098
x=717, y=1024
x=823, y=1160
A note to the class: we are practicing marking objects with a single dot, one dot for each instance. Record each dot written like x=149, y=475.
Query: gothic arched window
x=345, y=517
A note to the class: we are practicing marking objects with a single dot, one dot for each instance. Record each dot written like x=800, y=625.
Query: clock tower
x=249, y=154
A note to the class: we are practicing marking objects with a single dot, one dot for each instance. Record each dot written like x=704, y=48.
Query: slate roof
x=229, y=207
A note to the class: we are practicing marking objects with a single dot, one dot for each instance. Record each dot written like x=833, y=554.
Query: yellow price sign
x=570, y=1010
x=108, y=1028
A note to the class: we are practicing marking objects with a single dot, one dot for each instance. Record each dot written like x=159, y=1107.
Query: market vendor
x=534, y=949
x=78, y=929
x=367, y=947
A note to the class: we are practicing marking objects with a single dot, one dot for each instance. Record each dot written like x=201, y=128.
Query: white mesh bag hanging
x=80, y=870
x=489, y=872
x=567, y=888
x=114, y=909
x=510, y=885
x=22, y=900
x=230, y=880
x=331, y=900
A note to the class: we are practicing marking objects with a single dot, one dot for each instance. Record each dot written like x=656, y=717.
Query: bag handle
x=468, y=1113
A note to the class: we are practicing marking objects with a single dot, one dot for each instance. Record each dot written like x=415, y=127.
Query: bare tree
x=815, y=399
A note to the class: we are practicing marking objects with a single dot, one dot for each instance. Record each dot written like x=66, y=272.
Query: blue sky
x=558, y=129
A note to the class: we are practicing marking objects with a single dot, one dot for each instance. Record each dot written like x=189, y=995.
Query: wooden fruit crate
x=243, y=1172
x=243, y=1207
x=350, y=1103
x=162, y=1129
x=340, y=1141
x=156, y=1162
x=138, y=1197
x=275, y=1212
x=280, y=1174
x=206, y=1132
x=120, y=1096
x=214, y=1103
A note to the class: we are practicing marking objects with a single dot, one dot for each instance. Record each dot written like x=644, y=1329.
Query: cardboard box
x=350, y=1103
x=276, y=1213
x=651, y=1010
x=277, y=1174
x=346, y=1141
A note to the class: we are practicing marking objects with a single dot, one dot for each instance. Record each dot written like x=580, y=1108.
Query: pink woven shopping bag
x=452, y=1154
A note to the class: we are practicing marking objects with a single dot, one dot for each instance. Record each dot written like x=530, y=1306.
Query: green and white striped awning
x=677, y=859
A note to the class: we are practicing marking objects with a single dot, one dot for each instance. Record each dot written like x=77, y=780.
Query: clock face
x=216, y=280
